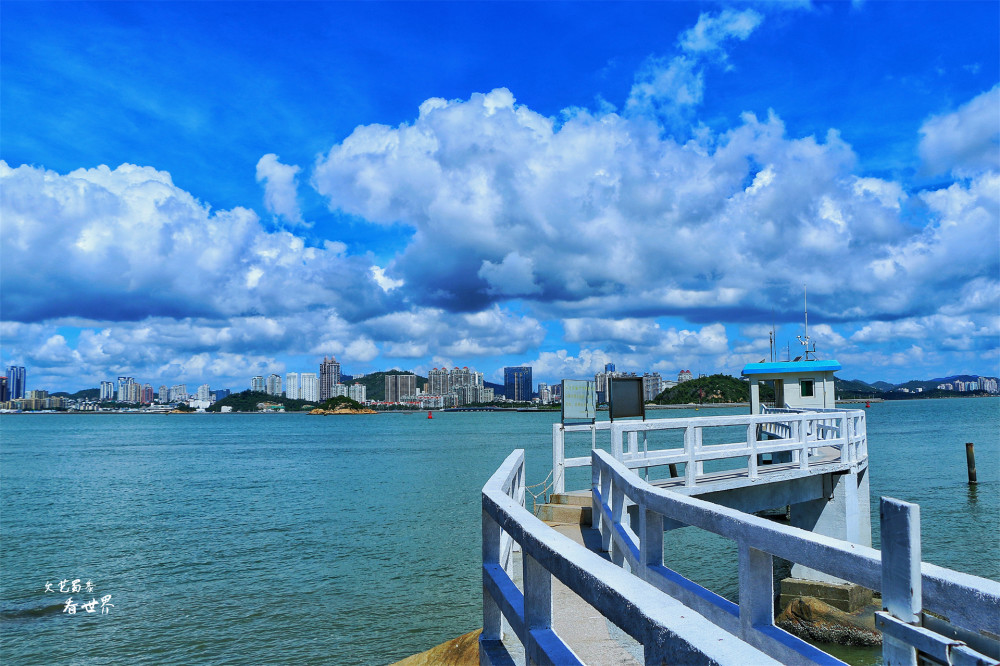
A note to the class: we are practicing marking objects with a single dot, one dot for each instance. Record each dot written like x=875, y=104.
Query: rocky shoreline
x=344, y=410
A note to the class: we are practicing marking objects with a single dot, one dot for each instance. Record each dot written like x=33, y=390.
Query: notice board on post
x=579, y=400
x=626, y=397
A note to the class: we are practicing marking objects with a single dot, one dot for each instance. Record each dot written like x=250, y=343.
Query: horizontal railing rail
x=842, y=433
x=669, y=632
x=967, y=602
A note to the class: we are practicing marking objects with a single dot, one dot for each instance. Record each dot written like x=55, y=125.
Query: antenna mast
x=805, y=340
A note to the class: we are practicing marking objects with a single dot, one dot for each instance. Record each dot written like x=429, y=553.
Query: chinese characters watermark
x=77, y=586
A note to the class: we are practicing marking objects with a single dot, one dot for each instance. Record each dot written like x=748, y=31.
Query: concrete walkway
x=586, y=631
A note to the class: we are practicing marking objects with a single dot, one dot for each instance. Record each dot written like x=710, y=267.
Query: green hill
x=247, y=402
x=714, y=388
x=85, y=394
x=374, y=383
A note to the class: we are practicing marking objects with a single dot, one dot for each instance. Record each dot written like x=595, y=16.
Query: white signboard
x=579, y=400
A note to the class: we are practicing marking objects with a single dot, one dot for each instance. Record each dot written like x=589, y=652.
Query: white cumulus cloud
x=280, y=189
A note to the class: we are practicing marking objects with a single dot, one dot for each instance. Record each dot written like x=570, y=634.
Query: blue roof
x=783, y=367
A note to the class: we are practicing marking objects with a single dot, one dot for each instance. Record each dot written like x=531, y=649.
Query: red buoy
x=429, y=415
x=867, y=405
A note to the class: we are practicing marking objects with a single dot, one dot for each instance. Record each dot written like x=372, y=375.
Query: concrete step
x=563, y=513
x=578, y=498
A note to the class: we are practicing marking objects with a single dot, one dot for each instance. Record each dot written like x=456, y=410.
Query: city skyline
x=498, y=185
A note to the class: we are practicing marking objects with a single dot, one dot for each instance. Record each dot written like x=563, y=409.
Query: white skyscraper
x=309, y=390
x=357, y=392
x=292, y=385
x=274, y=384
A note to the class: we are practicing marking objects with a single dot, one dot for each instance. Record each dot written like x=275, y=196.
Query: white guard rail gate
x=803, y=434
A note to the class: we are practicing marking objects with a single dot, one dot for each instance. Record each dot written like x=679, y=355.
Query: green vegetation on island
x=712, y=389
x=341, y=402
x=247, y=401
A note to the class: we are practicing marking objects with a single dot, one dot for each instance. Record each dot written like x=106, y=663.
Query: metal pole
x=970, y=460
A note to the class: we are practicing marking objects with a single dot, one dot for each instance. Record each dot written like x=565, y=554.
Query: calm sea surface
x=349, y=540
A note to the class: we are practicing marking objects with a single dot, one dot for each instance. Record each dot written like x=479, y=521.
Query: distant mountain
x=498, y=389
x=924, y=388
x=85, y=394
x=855, y=388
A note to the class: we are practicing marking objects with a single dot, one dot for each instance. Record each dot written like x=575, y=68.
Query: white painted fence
x=970, y=604
x=669, y=632
x=801, y=433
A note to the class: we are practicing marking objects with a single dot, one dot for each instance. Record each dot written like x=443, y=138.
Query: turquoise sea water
x=347, y=540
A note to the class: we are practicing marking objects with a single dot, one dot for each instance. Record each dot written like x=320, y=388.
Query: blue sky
x=201, y=192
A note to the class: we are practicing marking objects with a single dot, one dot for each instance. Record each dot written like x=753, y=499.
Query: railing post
x=800, y=437
x=537, y=606
x=492, y=617
x=901, y=581
x=616, y=442
x=558, y=458
x=691, y=469
x=650, y=539
x=846, y=454
x=752, y=445
x=606, y=527
x=617, y=508
x=756, y=575
x=596, y=515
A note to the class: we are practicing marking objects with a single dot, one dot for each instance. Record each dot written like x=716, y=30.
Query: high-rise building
x=437, y=381
x=146, y=396
x=329, y=375
x=164, y=394
x=273, y=386
x=179, y=393
x=357, y=392
x=16, y=381
x=684, y=376
x=309, y=388
x=544, y=395
x=4, y=395
x=292, y=385
x=517, y=383
x=257, y=384
x=127, y=390
x=203, y=391
x=398, y=387
x=652, y=385
x=221, y=394
x=107, y=391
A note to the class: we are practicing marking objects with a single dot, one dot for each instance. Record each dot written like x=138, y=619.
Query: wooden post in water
x=970, y=459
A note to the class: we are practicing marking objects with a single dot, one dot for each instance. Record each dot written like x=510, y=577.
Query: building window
x=807, y=387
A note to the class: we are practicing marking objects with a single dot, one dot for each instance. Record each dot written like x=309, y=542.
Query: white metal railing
x=802, y=433
x=971, y=605
x=668, y=631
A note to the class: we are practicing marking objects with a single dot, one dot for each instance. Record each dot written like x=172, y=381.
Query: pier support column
x=844, y=513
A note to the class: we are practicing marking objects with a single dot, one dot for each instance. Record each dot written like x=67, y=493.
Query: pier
x=721, y=469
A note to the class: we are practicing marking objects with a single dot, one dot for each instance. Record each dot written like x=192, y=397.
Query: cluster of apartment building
x=987, y=384
x=310, y=386
x=652, y=383
x=445, y=388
